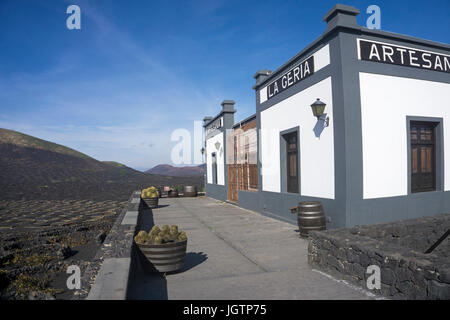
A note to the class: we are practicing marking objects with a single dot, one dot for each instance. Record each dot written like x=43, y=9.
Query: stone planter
x=166, y=257
x=151, y=202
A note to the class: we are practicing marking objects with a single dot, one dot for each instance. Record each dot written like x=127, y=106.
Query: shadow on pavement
x=146, y=221
x=193, y=259
x=147, y=283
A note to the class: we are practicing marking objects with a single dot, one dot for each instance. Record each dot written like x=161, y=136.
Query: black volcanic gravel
x=45, y=252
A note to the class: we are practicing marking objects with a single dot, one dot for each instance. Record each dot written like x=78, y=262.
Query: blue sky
x=137, y=70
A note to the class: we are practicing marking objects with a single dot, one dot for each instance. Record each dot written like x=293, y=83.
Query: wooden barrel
x=164, y=192
x=151, y=202
x=311, y=217
x=190, y=191
x=165, y=257
x=173, y=193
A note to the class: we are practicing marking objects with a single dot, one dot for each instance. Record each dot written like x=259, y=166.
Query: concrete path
x=235, y=254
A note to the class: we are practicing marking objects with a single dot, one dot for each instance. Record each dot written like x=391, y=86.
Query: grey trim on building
x=258, y=140
x=349, y=208
x=368, y=211
x=337, y=208
x=248, y=200
x=439, y=149
x=227, y=113
x=351, y=108
x=350, y=27
x=216, y=191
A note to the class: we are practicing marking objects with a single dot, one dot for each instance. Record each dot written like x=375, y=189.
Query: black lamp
x=318, y=108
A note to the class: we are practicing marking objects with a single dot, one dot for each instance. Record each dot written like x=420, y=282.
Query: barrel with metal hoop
x=165, y=257
x=311, y=217
x=190, y=191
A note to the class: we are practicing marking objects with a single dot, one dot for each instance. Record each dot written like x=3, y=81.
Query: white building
x=380, y=152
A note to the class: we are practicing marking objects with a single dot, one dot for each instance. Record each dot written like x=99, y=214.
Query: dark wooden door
x=423, y=156
x=292, y=162
x=214, y=168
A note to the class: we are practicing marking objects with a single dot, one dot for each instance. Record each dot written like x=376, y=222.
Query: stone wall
x=397, y=248
x=108, y=275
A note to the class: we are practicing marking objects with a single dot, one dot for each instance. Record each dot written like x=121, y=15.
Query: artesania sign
x=410, y=57
x=216, y=124
x=294, y=75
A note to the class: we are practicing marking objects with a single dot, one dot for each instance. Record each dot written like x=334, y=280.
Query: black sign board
x=216, y=124
x=388, y=53
x=296, y=74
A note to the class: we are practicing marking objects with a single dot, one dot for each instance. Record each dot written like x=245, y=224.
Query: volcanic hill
x=32, y=168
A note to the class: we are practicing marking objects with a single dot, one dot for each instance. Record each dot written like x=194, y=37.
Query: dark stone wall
x=119, y=243
x=397, y=248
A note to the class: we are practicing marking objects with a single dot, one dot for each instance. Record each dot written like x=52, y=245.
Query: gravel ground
x=40, y=239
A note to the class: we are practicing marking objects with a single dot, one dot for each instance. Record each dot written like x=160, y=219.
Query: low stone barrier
x=397, y=249
x=114, y=264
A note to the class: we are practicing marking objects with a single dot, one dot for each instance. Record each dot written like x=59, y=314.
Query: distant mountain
x=186, y=171
x=32, y=168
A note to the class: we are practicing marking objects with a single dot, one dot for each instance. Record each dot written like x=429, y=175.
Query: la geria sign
x=301, y=71
x=404, y=56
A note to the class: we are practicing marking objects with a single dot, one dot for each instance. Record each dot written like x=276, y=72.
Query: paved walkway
x=235, y=254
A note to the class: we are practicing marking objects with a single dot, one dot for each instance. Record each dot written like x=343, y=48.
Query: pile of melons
x=150, y=192
x=161, y=235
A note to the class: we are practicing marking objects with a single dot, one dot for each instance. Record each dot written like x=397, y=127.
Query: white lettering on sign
x=320, y=59
x=404, y=56
x=296, y=74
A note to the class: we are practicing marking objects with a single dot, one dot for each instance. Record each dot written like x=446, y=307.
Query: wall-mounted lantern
x=202, y=150
x=318, y=108
x=217, y=145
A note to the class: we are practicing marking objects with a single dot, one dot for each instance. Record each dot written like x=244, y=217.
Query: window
x=292, y=162
x=214, y=168
x=423, y=156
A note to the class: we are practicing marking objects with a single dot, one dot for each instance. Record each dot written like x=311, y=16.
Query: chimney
x=341, y=15
x=206, y=120
x=228, y=106
x=260, y=76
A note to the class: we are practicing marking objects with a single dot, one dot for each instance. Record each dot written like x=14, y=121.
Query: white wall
x=385, y=103
x=210, y=148
x=316, y=153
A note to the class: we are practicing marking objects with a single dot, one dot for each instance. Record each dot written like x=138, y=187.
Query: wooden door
x=292, y=162
x=423, y=156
